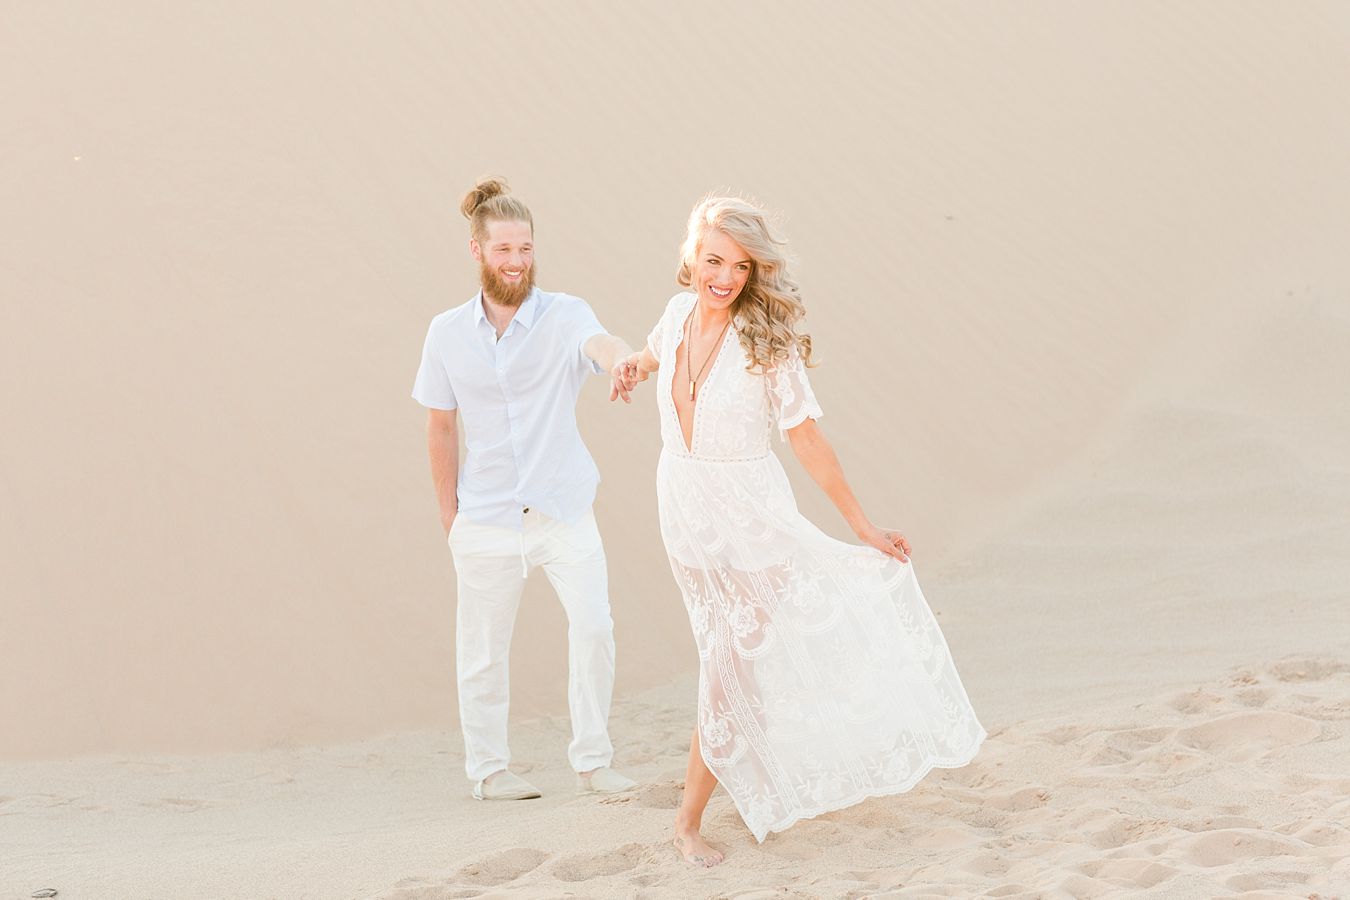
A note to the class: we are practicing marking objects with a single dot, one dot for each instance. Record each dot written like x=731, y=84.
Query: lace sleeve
x=790, y=397
x=658, y=333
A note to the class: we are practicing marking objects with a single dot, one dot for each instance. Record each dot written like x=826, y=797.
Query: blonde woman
x=824, y=678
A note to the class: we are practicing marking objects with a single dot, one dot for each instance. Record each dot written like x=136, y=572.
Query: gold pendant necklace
x=688, y=351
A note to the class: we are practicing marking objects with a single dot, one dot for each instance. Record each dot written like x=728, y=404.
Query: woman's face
x=721, y=270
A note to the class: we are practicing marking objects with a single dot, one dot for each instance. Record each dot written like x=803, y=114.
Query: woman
x=824, y=678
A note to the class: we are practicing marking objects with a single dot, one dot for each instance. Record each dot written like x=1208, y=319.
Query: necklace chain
x=688, y=352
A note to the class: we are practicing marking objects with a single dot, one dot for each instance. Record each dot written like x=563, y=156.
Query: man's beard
x=504, y=292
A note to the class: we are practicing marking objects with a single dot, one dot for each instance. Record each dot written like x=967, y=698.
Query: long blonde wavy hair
x=769, y=306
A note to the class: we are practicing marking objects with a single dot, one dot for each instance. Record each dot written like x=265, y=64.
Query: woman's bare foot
x=696, y=850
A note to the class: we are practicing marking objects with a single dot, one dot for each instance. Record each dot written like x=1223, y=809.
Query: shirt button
x=526, y=509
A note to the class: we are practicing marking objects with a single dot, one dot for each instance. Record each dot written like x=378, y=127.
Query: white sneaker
x=505, y=785
x=604, y=781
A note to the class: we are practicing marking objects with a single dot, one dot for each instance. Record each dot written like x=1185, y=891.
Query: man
x=512, y=361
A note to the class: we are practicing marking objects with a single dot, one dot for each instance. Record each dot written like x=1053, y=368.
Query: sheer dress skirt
x=823, y=677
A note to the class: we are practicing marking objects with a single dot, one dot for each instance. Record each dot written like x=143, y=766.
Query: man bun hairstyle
x=490, y=201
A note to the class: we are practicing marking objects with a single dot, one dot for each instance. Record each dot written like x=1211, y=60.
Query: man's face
x=506, y=262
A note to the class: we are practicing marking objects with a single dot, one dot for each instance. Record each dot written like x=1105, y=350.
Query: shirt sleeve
x=432, y=387
x=585, y=326
x=790, y=396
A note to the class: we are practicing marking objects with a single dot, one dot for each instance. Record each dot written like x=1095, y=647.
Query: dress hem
x=951, y=762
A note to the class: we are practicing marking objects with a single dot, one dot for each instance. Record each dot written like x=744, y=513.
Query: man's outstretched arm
x=607, y=351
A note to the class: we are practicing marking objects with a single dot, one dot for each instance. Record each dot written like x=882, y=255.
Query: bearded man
x=512, y=361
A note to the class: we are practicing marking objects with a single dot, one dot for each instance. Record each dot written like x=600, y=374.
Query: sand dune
x=1077, y=275
x=230, y=231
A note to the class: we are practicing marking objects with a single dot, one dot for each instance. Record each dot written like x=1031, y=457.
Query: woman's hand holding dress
x=887, y=540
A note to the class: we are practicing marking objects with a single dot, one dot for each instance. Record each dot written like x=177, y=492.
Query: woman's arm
x=643, y=363
x=646, y=362
x=820, y=462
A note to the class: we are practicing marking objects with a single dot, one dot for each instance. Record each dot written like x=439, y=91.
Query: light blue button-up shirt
x=517, y=397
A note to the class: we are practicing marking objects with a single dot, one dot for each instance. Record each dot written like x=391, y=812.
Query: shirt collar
x=525, y=315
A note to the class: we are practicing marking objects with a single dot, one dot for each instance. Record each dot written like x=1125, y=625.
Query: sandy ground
x=1237, y=786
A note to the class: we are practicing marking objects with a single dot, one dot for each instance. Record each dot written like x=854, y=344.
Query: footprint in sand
x=1082, y=886
x=650, y=796
x=1244, y=736
x=1195, y=702
x=1124, y=830
x=598, y=865
x=649, y=880
x=425, y=889
x=796, y=847
x=984, y=864
x=1307, y=669
x=979, y=816
x=1021, y=801
x=1220, y=823
x=1221, y=848
x=946, y=838
x=1254, y=697
x=1131, y=740
x=1333, y=879
x=1108, y=756
x=1133, y=873
x=1317, y=833
x=1176, y=802
x=1171, y=762
x=975, y=775
x=499, y=868
x=1066, y=734
x=1262, y=881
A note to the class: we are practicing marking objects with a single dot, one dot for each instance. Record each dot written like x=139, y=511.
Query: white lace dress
x=823, y=677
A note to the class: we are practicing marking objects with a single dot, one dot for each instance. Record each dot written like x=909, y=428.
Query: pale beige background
x=1078, y=276
x=225, y=230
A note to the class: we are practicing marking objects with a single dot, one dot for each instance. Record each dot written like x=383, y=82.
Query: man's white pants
x=491, y=565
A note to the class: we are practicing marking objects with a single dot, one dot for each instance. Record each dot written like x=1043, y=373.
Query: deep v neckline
x=712, y=370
